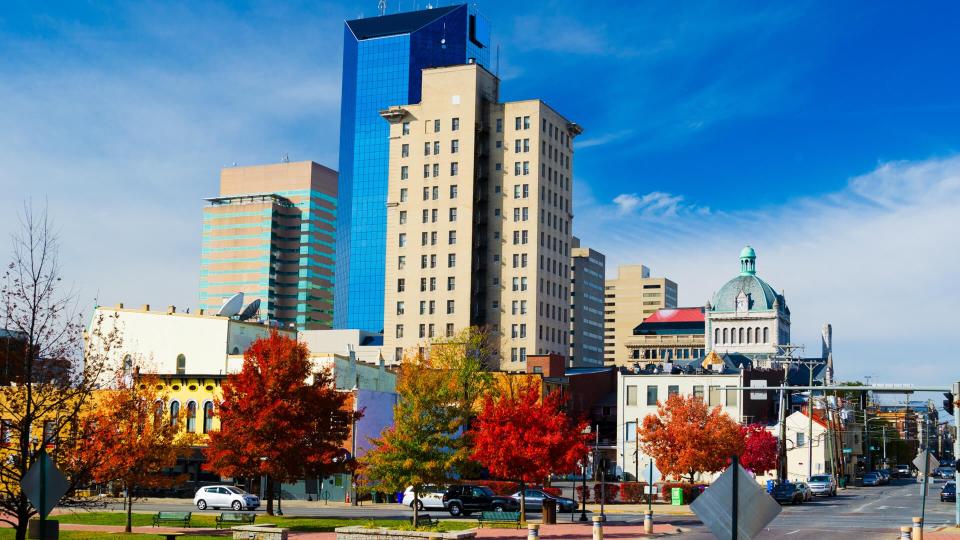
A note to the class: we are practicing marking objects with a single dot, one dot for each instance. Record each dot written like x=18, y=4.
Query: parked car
x=534, y=500
x=949, y=492
x=787, y=492
x=225, y=497
x=805, y=490
x=944, y=472
x=871, y=479
x=884, y=476
x=430, y=497
x=461, y=500
x=823, y=485
x=902, y=471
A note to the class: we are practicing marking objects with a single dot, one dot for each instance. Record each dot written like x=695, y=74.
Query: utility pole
x=787, y=357
x=956, y=450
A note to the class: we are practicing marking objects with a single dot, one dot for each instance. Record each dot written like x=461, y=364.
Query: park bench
x=243, y=518
x=181, y=518
x=495, y=518
x=424, y=520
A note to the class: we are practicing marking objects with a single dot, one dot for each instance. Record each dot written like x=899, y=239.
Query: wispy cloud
x=602, y=139
x=856, y=258
x=656, y=204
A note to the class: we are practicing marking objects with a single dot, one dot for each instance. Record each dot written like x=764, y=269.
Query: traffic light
x=948, y=402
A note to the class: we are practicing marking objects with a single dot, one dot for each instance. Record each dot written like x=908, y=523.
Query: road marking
x=792, y=532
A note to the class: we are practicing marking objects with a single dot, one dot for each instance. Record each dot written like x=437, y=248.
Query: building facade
x=270, y=235
x=747, y=315
x=587, y=271
x=629, y=299
x=382, y=62
x=176, y=343
x=667, y=335
x=478, y=218
x=712, y=379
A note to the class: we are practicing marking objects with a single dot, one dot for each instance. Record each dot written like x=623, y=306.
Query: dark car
x=534, y=500
x=787, y=493
x=885, y=475
x=463, y=499
x=872, y=479
x=944, y=472
x=949, y=492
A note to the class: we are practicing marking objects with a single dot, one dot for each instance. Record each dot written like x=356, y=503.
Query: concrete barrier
x=264, y=531
x=382, y=533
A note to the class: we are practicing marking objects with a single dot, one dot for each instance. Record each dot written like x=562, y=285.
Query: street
x=866, y=512
x=856, y=513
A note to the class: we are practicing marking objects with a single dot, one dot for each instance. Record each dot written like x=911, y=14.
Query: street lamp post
x=583, y=494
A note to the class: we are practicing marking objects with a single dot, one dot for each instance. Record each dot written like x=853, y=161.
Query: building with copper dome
x=747, y=315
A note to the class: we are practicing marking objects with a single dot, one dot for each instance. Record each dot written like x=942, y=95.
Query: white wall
x=155, y=338
x=342, y=342
x=631, y=413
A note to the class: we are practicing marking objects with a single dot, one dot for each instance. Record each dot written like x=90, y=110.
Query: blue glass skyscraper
x=382, y=62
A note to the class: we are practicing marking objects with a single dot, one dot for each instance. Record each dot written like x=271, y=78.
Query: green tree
x=437, y=395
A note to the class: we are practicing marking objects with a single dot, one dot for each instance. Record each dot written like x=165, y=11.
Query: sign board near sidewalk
x=932, y=464
x=44, y=484
x=755, y=508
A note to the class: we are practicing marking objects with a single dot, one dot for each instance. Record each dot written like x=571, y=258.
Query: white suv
x=225, y=497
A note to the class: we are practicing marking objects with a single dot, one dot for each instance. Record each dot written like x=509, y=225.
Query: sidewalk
x=560, y=531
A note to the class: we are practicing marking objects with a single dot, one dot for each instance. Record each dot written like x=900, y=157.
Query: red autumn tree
x=132, y=440
x=759, y=449
x=525, y=438
x=276, y=421
x=685, y=437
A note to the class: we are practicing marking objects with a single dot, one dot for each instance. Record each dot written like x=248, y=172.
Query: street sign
x=44, y=484
x=931, y=465
x=755, y=508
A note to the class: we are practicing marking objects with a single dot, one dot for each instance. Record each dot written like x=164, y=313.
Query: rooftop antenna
x=382, y=4
x=286, y=157
x=497, y=71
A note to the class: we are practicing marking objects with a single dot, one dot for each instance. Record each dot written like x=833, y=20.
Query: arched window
x=766, y=335
x=717, y=338
x=181, y=364
x=208, y=417
x=157, y=411
x=174, y=413
x=236, y=350
x=749, y=335
x=741, y=335
x=191, y=417
x=733, y=335
x=725, y=338
x=756, y=334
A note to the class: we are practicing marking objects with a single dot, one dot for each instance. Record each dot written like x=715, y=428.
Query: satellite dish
x=250, y=310
x=231, y=306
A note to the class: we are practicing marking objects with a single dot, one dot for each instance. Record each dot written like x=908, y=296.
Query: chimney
x=120, y=305
x=146, y=307
x=201, y=311
x=171, y=310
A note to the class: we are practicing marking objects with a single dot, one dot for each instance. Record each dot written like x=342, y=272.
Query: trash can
x=843, y=482
x=549, y=512
x=676, y=496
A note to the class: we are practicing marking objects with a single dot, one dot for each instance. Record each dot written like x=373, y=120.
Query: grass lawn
x=206, y=520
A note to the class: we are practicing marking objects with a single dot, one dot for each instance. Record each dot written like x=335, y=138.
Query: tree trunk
x=269, y=496
x=129, y=501
x=523, y=502
x=416, y=511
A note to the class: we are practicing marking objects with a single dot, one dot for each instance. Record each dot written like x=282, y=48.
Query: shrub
x=609, y=496
x=500, y=487
x=555, y=491
x=633, y=492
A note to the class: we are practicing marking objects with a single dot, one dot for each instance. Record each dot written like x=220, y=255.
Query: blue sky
x=823, y=133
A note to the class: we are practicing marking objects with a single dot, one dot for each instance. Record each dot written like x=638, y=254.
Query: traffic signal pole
x=956, y=452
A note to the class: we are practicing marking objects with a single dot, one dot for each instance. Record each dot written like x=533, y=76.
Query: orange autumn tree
x=132, y=439
x=276, y=422
x=525, y=438
x=686, y=437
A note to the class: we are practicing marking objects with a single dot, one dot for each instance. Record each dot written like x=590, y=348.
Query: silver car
x=823, y=485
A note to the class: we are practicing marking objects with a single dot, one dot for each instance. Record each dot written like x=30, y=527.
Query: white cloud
x=877, y=260
x=654, y=205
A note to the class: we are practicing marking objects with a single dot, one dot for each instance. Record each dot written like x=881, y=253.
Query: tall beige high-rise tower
x=478, y=218
x=628, y=300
